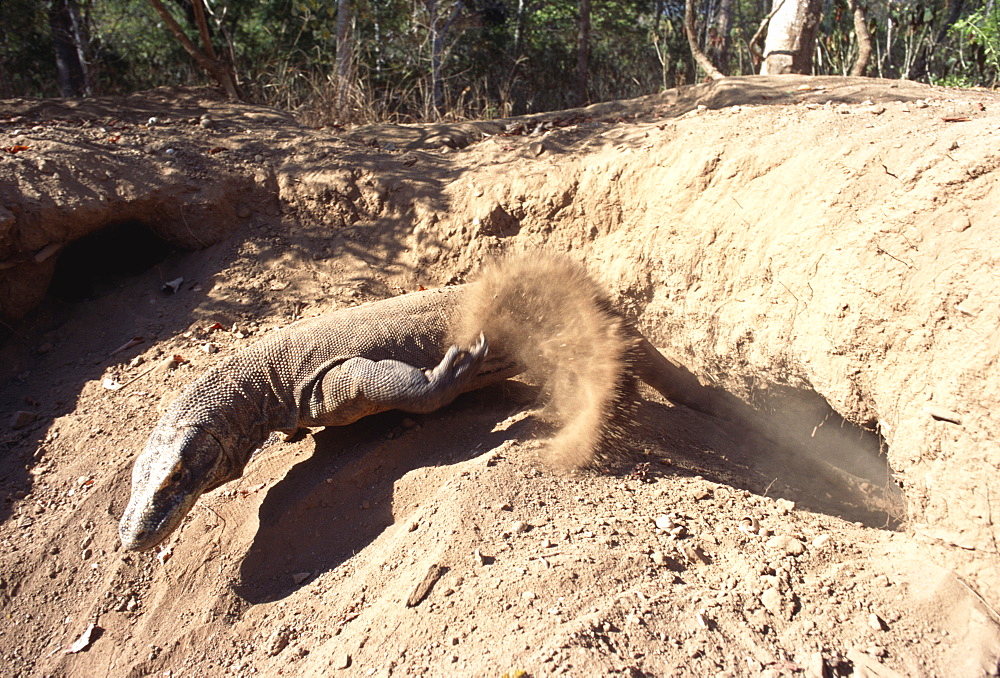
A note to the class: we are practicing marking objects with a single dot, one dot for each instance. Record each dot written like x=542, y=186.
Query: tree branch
x=210, y=64
x=864, y=38
x=699, y=56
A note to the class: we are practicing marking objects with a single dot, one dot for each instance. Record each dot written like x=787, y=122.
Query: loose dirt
x=821, y=249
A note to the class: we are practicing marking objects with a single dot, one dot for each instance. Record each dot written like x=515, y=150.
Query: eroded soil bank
x=822, y=248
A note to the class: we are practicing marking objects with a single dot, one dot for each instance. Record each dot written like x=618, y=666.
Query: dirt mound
x=821, y=250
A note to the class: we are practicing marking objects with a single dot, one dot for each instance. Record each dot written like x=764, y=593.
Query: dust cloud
x=548, y=314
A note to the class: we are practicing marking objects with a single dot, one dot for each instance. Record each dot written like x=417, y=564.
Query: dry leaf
x=83, y=642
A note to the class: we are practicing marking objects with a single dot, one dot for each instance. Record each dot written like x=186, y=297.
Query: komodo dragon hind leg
x=360, y=387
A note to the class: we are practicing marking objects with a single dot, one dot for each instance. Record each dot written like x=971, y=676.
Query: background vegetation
x=409, y=60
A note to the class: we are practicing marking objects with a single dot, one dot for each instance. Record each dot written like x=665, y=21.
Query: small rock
x=772, y=601
x=83, y=642
x=943, y=414
x=46, y=166
x=300, y=577
x=21, y=418
x=695, y=555
x=665, y=523
x=519, y=527
x=277, y=641
x=876, y=622
x=658, y=557
x=822, y=540
x=210, y=348
x=961, y=223
x=784, y=506
x=815, y=666
x=787, y=545
x=171, y=286
x=341, y=661
x=528, y=595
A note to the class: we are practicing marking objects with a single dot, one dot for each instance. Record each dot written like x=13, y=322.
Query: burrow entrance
x=103, y=260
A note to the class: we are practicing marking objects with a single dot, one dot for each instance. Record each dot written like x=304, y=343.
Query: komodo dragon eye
x=176, y=477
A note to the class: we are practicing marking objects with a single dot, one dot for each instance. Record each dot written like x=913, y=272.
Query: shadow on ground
x=332, y=505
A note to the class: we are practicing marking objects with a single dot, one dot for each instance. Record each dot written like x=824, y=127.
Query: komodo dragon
x=330, y=370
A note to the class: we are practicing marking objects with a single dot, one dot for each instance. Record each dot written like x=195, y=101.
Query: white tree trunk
x=345, y=73
x=791, y=37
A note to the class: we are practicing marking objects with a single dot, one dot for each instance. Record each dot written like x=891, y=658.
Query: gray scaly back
x=326, y=371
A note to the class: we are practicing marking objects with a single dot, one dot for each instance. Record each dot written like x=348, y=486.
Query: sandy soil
x=823, y=249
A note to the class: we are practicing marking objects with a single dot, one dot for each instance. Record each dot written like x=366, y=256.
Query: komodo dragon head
x=179, y=464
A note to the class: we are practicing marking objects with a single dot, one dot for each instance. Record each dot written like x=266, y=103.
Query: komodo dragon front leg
x=360, y=387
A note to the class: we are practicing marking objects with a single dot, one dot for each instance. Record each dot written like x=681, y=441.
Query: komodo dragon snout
x=198, y=465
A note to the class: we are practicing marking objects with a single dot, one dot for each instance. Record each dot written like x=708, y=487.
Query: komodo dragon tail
x=548, y=314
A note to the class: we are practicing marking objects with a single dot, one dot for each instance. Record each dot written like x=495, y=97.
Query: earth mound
x=819, y=250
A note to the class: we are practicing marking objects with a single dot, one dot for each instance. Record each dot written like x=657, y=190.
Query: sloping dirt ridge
x=822, y=248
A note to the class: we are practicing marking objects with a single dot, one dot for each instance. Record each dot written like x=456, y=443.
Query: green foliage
x=133, y=49
x=27, y=67
x=981, y=30
x=499, y=57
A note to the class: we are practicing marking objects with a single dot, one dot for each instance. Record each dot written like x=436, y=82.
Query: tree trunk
x=692, y=36
x=437, y=46
x=221, y=71
x=68, y=39
x=864, y=37
x=719, y=40
x=791, y=37
x=582, y=52
x=344, y=53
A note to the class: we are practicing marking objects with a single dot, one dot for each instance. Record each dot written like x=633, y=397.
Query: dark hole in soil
x=100, y=261
x=857, y=467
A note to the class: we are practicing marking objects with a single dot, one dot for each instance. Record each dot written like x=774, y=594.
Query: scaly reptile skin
x=326, y=371
x=393, y=354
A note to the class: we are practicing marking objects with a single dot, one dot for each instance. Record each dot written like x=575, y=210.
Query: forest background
x=359, y=61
